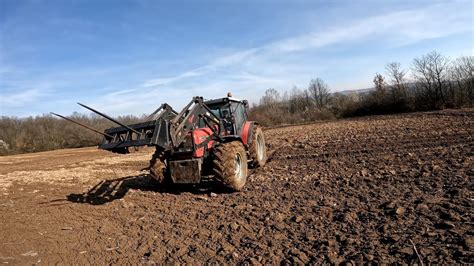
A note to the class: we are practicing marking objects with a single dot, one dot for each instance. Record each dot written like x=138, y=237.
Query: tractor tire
x=257, y=149
x=158, y=168
x=230, y=165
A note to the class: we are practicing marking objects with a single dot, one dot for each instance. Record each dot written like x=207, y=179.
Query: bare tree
x=296, y=100
x=271, y=97
x=398, y=83
x=307, y=99
x=319, y=91
x=342, y=104
x=380, y=88
x=462, y=75
x=430, y=72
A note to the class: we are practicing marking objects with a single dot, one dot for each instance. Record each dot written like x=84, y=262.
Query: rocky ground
x=382, y=189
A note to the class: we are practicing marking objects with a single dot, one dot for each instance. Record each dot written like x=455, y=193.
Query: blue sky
x=127, y=57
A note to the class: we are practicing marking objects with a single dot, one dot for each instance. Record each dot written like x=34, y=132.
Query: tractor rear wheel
x=230, y=165
x=257, y=149
x=158, y=167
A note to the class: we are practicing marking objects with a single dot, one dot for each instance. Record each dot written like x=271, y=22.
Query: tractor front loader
x=207, y=138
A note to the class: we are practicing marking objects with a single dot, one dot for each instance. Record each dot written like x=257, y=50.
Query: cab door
x=240, y=116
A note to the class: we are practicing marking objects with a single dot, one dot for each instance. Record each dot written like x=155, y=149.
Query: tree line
x=45, y=132
x=431, y=82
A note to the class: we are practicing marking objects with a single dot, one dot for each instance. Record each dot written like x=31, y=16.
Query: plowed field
x=383, y=189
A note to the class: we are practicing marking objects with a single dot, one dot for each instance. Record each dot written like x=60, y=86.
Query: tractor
x=208, y=138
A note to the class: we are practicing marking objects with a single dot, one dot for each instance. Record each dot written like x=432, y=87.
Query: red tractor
x=207, y=138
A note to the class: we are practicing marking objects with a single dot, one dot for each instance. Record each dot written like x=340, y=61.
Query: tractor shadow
x=113, y=189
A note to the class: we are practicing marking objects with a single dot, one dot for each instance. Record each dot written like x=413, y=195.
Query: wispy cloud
x=163, y=81
x=21, y=98
x=396, y=28
x=404, y=27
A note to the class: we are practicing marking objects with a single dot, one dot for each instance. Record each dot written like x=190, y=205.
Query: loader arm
x=188, y=119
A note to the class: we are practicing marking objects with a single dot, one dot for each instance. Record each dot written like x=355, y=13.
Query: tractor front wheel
x=158, y=167
x=230, y=165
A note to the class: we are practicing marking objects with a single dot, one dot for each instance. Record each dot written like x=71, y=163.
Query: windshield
x=221, y=111
x=216, y=112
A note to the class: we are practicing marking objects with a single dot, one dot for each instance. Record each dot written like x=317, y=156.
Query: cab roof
x=222, y=101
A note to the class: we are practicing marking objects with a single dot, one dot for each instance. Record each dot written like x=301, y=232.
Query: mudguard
x=247, y=132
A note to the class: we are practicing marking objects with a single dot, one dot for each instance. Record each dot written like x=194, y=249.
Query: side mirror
x=246, y=103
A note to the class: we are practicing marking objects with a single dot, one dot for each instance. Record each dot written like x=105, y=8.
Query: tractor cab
x=232, y=112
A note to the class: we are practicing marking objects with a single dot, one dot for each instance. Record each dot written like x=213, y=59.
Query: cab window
x=238, y=111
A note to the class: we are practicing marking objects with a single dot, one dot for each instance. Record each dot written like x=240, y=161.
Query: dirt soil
x=382, y=189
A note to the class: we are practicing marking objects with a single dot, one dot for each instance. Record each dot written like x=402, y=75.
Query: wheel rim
x=260, y=147
x=238, y=166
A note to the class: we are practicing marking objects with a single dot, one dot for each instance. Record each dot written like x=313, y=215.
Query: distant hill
x=359, y=91
x=410, y=86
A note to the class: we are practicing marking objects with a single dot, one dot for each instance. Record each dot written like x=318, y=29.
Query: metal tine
x=82, y=125
x=109, y=118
